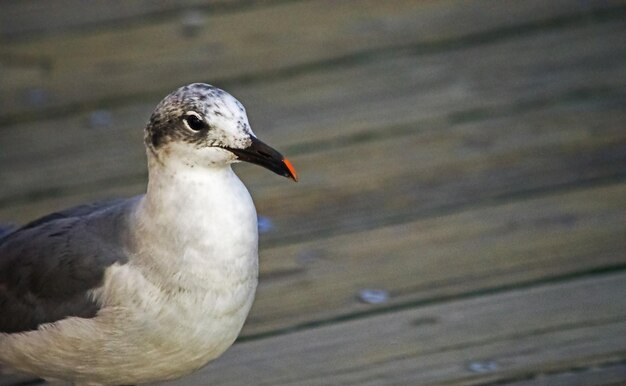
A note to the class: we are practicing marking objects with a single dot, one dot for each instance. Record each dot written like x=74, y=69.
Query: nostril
x=265, y=154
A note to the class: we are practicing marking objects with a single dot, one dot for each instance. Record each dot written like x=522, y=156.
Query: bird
x=148, y=288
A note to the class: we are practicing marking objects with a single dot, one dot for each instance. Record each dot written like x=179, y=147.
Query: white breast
x=178, y=303
x=197, y=258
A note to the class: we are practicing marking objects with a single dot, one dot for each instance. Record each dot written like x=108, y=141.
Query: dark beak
x=261, y=154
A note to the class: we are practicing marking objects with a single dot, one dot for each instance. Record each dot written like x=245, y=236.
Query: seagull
x=149, y=288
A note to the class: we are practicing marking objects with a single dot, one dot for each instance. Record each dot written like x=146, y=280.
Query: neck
x=192, y=216
x=197, y=249
x=175, y=184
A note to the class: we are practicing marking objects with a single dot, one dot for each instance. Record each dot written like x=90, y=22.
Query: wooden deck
x=467, y=159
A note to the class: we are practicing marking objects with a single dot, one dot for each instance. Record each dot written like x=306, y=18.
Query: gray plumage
x=48, y=266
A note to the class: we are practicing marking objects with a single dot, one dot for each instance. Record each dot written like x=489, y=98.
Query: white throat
x=198, y=251
x=198, y=216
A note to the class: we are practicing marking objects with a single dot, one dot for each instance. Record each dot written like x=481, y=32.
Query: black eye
x=194, y=122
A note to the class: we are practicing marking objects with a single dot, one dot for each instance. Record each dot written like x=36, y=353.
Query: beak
x=261, y=154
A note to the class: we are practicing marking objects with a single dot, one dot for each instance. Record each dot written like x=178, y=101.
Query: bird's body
x=138, y=290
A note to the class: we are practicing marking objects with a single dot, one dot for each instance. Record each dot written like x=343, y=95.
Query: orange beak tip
x=292, y=170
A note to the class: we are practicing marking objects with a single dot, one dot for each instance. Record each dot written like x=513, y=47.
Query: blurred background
x=460, y=217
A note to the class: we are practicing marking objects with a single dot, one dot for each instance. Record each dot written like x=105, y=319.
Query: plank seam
x=459, y=117
x=530, y=376
x=493, y=340
x=606, y=270
x=345, y=61
x=146, y=18
x=617, y=178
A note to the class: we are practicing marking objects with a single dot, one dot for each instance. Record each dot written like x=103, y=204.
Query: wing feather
x=48, y=266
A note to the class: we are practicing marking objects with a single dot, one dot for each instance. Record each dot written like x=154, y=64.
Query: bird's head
x=201, y=125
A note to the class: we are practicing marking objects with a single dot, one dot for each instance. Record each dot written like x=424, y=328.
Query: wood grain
x=467, y=158
x=65, y=157
x=23, y=19
x=610, y=374
x=514, y=242
x=59, y=73
x=530, y=330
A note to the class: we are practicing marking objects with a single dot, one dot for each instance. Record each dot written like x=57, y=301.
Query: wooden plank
x=25, y=18
x=471, y=341
x=86, y=69
x=35, y=159
x=486, y=247
x=530, y=69
x=436, y=171
x=612, y=374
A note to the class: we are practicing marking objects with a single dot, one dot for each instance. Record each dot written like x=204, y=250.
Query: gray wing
x=48, y=266
x=76, y=211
